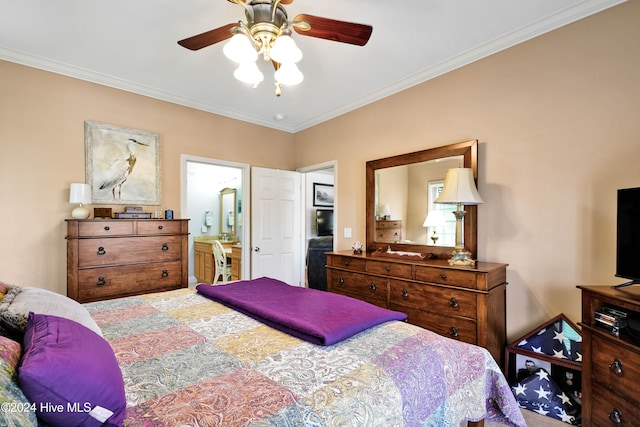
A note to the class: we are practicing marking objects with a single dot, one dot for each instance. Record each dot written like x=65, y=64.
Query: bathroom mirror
x=228, y=211
x=398, y=196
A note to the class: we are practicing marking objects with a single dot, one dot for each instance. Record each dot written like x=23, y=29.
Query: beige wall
x=42, y=151
x=556, y=119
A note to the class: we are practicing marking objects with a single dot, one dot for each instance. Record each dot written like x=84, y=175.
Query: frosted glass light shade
x=285, y=50
x=459, y=187
x=239, y=49
x=248, y=72
x=288, y=74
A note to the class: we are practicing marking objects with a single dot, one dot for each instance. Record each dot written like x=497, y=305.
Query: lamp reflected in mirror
x=460, y=189
x=434, y=219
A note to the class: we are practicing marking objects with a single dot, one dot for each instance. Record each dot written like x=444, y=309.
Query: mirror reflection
x=400, y=192
x=404, y=200
x=228, y=216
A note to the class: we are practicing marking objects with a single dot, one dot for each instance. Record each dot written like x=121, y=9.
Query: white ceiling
x=132, y=45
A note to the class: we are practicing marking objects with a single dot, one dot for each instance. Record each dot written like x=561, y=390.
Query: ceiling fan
x=267, y=32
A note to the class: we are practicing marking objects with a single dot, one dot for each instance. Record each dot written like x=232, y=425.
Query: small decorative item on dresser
x=357, y=247
x=102, y=213
x=168, y=214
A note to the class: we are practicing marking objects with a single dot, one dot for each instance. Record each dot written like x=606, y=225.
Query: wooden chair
x=223, y=269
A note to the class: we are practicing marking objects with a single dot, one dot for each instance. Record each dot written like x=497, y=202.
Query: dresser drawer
x=159, y=227
x=362, y=286
x=128, y=250
x=446, y=301
x=607, y=408
x=445, y=276
x=448, y=326
x=105, y=228
x=98, y=283
x=384, y=268
x=385, y=225
x=351, y=263
x=608, y=358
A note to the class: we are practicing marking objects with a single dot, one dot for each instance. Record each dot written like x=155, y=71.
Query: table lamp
x=81, y=194
x=460, y=189
x=434, y=219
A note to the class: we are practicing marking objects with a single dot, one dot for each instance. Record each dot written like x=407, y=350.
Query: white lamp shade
x=80, y=193
x=239, y=49
x=285, y=51
x=248, y=72
x=459, y=187
x=288, y=74
x=434, y=219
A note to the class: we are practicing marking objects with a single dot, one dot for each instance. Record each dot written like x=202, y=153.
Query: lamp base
x=462, y=257
x=80, y=213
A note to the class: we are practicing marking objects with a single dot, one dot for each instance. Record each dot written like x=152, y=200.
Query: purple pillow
x=71, y=374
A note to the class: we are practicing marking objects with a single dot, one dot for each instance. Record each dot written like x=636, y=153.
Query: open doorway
x=320, y=212
x=205, y=184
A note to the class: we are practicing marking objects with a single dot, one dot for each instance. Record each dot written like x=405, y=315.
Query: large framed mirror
x=228, y=211
x=400, y=191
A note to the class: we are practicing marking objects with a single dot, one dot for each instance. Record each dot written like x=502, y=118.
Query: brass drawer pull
x=443, y=277
x=387, y=268
x=101, y=281
x=165, y=247
x=616, y=367
x=165, y=273
x=107, y=228
x=160, y=227
x=372, y=286
x=454, y=302
x=101, y=250
x=616, y=417
x=454, y=332
x=346, y=262
x=405, y=293
x=341, y=281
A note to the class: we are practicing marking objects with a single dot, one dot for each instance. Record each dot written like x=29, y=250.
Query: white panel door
x=276, y=225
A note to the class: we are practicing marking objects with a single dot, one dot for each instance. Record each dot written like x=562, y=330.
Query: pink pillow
x=71, y=374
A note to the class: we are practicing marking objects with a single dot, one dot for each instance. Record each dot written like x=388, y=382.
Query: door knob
x=256, y=249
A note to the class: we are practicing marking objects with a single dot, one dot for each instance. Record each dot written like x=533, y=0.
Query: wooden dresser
x=388, y=231
x=114, y=258
x=610, y=364
x=464, y=303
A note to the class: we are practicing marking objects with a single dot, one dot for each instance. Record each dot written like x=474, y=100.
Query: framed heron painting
x=122, y=166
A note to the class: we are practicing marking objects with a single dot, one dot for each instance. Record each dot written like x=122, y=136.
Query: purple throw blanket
x=316, y=316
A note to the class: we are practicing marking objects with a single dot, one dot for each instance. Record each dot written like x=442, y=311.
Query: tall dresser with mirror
x=461, y=302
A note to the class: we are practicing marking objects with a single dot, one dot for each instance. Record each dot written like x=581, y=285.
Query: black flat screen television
x=324, y=222
x=628, y=236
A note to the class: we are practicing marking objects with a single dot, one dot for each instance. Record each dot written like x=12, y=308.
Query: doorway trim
x=245, y=198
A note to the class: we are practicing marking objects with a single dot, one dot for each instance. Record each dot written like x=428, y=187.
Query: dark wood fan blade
x=330, y=29
x=207, y=38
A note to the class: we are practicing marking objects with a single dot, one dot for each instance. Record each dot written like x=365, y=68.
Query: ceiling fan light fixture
x=285, y=50
x=288, y=74
x=248, y=72
x=240, y=49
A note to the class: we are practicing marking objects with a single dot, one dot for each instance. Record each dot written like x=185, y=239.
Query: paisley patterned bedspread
x=189, y=361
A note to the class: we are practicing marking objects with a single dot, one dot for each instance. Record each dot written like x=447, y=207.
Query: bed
x=188, y=360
